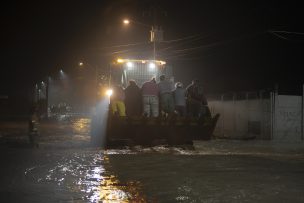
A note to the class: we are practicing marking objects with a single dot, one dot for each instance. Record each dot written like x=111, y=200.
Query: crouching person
x=33, y=131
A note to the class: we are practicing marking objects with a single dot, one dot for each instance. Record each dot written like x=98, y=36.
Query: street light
x=95, y=69
x=41, y=95
x=126, y=21
x=82, y=64
x=156, y=33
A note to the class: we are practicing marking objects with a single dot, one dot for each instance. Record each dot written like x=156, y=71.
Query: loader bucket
x=152, y=131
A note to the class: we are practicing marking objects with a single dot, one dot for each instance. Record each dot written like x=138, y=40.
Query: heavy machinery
x=172, y=130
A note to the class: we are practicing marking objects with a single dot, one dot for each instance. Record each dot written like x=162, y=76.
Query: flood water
x=66, y=169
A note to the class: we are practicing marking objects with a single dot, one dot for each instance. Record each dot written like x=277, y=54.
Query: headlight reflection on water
x=87, y=177
x=81, y=126
x=105, y=187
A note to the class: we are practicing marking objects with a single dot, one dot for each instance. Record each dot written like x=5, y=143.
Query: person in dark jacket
x=180, y=99
x=133, y=99
x=196, y=101
x=166, y=88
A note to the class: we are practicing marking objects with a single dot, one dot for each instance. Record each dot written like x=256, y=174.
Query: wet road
x=66, y=169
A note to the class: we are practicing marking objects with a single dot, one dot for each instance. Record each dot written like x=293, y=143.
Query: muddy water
x=66, y=169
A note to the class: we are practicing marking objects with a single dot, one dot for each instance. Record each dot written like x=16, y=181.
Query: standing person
x=150, y=99
x=196, y=100
x=133, y=99
x=166, y=88
x=117, y=101
x=180, y=99
x=33, y=127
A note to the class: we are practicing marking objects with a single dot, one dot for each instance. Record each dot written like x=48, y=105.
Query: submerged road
x=65, y=168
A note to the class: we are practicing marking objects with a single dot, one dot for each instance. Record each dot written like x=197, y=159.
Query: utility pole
x=156, y=36
x=156, y=33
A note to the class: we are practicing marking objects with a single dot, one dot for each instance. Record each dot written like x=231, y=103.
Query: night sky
x=228, y=45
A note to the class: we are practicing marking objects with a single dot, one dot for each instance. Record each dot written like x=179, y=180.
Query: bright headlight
x=152, y=66
x=109, y=92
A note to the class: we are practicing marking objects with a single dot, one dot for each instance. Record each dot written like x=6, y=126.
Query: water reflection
x=112, y=190
x=88, y=177
x=81, y=125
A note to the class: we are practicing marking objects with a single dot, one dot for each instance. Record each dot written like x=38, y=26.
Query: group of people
x=162, y=98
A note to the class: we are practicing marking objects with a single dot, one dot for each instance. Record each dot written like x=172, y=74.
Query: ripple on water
x=87, y=176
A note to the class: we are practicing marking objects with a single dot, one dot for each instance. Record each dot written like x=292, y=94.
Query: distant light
x=62, y=74
x=42, y=83
x=130, y=65
x=126, y=21
x=80, y=63
x=143, y=61
x=109, y=92
x=152, y=66
x=120, y=60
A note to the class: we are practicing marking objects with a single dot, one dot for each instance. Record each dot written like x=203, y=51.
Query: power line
x=181, y=39
x=181, y=43
x=124, y=45
x=279, y=36
x=195, y=50
x=284, y=35
x=286, y=32
x=142, y=43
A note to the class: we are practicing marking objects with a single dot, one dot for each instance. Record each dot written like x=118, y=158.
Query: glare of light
x=62, y=75
x=80, y=64
x=126, y=21
x=120, y=60
x=130, y=65
x=42, y=83
x=152, y=66
x=109, y=92
x=143, y=61
x=162, y=62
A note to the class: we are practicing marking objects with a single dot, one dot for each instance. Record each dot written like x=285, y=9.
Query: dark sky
x=226, y=44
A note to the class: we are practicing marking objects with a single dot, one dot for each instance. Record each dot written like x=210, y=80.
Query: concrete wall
x=288, y=118
x=279, y=117
x=243, y=118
